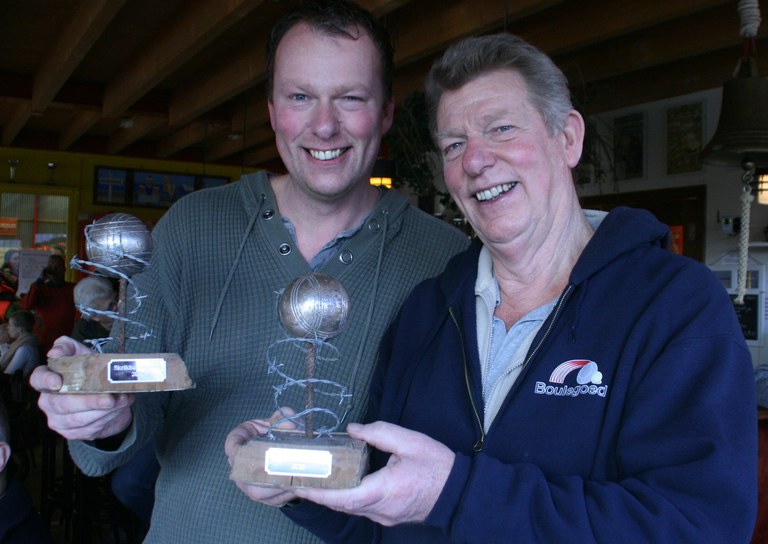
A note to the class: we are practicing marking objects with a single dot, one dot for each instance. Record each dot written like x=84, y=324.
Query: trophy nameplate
x=119, y=245
x=121, y=373
x=313, y=308
x=292, y=460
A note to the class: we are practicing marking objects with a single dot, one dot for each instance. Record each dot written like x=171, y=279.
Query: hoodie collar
x=620, y=231
x=623, y=229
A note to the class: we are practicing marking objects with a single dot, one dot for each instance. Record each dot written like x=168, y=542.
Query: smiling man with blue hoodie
x=567, y=379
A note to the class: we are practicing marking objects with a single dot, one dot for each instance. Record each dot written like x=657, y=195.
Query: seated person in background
x=24, y=351
x=50, y=298
x=20, y=523
x=10, y=271
x=9, y=281
x=133, y=483
x=96, y=299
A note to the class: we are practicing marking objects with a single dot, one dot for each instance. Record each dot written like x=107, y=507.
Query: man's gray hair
x=93, y=288
x=471, y=58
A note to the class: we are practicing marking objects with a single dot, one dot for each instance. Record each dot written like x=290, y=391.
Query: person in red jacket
x=52, y=301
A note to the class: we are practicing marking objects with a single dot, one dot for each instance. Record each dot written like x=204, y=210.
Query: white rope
x=741, y=285
x=749, y=12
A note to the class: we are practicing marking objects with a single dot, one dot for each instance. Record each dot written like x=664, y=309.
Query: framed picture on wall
x=628, y=146
x=110, y=186
x=684, y=138
x=160, y=189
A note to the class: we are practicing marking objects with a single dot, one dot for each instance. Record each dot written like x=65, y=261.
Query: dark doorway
x=682, y=208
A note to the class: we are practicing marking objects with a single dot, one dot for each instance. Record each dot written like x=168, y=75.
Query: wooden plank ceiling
x=184, y=79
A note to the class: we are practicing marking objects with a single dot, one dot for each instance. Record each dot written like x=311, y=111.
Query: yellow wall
x=76, y=171
x=74, y=177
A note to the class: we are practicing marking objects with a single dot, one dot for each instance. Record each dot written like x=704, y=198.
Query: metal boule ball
x=314, y=305
x=119, y=242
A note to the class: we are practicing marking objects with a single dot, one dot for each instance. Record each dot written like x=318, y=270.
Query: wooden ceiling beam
x=253, y=113
x=125, y=137
x=685, y=76
x=232, y=78
x=84, y=121
x=85, y=26
x=678, y=46
x=451, y=21
x=656, y=45
x=19, y=117
x=194, y=28
x=188, y=136
x=229, y=146
x=381, y=8
x=591, y=22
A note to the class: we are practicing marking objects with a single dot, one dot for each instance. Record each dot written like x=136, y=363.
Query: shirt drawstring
x=233, y=268
x=371, y=307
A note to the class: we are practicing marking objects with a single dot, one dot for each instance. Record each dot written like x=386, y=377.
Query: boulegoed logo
x=589, y=380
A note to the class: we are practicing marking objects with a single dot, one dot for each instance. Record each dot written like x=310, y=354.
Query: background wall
x=76, y=171
x=74, y=176
x=724, y=185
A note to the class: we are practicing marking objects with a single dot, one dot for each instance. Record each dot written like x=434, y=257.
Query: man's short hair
x=57, y=257
x=335, y=18
x=472, y=58
x=23, y=319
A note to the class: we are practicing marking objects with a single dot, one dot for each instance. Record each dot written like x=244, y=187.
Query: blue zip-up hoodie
x=633, y=420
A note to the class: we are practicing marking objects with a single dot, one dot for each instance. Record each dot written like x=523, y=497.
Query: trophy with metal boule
x=313, y=308
x=118, y=246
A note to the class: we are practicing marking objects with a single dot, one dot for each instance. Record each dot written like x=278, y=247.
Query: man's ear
x=5, y=454
x=389, y=115
x=574, y=137
x=270, y=109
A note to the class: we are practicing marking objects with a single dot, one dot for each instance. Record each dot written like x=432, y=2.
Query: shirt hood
x=621, y=231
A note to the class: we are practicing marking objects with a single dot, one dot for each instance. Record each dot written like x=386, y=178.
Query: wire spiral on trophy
x=118, y=245
x=313, y=308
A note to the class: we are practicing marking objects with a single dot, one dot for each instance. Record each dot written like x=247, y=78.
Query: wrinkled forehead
x=487, y=96
x=307, y=55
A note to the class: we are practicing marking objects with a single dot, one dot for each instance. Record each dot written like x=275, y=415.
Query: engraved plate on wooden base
x=293, y=460
x=121, y=372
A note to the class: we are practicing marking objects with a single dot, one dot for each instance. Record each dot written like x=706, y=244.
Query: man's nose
x=326, y=121
x=477, y=157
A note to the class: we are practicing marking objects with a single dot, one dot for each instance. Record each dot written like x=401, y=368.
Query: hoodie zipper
x=478, y=447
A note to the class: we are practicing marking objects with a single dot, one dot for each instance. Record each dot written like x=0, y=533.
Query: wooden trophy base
x=293, y=460
x=121, y=372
